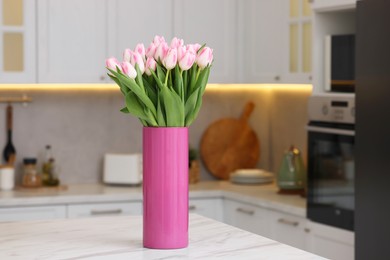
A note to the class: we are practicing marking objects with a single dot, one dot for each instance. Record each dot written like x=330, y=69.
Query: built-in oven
x=331, y=160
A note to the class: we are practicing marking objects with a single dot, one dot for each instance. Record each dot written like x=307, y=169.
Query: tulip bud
x=205, y=57
x=112, y=63
x=170, y=59
x=176, y=43
x=140, y=48
x=161, y=51
x=158, y=39
x=129, y=70
x=187, y=60
x=151, y=50
x=193, y=47
x=181, y=51
x=137, y=59
x=127, y=55
x=150, y=65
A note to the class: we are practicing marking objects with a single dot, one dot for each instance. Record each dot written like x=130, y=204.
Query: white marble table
x=121, y=238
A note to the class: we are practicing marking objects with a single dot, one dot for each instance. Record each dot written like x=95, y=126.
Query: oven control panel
x=335, y=108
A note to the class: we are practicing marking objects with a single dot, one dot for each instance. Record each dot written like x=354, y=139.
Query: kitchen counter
x=259, y=195
x=120, y=237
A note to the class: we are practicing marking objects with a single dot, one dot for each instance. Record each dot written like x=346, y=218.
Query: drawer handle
x=288, y=222
x=106, y=212
x=245, y=211
x=192, y=207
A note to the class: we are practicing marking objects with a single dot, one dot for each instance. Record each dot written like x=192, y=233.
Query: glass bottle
x=31, y=178
x=49, y=177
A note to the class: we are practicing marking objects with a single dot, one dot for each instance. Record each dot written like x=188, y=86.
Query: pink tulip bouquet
x=164, y=84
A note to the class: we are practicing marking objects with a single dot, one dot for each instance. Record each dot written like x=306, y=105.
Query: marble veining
x=258, y=195
x=120, y=237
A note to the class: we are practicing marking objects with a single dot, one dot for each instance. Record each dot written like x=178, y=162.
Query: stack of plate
x=251, y=176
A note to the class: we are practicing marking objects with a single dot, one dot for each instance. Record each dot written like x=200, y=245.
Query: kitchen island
x=120, y=237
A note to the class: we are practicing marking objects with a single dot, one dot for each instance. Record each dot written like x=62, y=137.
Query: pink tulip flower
x=181, y=51
x=205, y=57
x=176, y=43
x=127, y=55
x=158, y=39
x=140, y=48
x=150, y=66
x=129, y=70
x=112, y=63
x=161, y=51
x=137, y=59
x=151, y=50
x=187, y=60
x=170, y=59
x=194, y=47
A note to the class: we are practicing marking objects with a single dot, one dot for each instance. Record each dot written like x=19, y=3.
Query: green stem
x=166, y=78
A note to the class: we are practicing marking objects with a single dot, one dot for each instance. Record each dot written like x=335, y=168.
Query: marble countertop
x=259, y=195
x=120, y=237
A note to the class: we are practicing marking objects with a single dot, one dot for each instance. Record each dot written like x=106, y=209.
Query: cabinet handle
x=106, y=212
x=192, y=207
x=288, y=222
x=102, y=78
x=277, y=78
x=307, y=230
x=245, y=211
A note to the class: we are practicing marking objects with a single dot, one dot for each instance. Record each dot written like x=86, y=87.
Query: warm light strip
x=113, y=87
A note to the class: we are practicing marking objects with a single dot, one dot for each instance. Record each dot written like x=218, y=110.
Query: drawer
x=32, y=213
x=104, y=209
x=210, y=208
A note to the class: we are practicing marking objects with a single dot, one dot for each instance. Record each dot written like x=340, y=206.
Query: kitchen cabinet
x=210, y=207
x=288, y=229
x=214, y=23
x=72, y=41
x=261, y=35
x=17, y=41
x=298, y=30
x=32, y=213
x=104, y=209
x=75, y=37
x=330, y=242
x=248, y=217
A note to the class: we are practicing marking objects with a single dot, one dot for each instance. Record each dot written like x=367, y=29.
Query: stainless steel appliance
x=331, y=161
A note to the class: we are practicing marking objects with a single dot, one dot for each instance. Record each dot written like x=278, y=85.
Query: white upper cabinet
x=261, y=35
x=131, y=22
x=214, y=23
x=17, y=41
x=72, y=40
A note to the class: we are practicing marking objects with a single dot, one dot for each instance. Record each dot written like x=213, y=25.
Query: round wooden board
x=229, y=144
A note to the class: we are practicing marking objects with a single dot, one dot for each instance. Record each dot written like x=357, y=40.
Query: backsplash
x=83, y=125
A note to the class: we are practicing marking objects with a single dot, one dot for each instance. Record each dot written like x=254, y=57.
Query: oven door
x=331, y=174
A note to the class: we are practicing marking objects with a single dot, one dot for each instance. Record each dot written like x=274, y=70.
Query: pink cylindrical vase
x=165, y=187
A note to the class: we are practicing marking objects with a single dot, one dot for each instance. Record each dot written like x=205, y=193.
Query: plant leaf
x=160, y=113
x=194, y=114
x=160, y=73
x=135, y=107
x=190, y=105
x=125, y=110
x=138, y=79
x=174, y=109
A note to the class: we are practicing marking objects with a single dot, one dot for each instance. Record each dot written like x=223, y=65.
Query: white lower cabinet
x=248, y=217
x=32, y=213
x=104, y=209
x=210, y=208
x=330, y=242
x=288, y=229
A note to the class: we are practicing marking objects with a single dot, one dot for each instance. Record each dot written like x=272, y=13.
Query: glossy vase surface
x=165, y=187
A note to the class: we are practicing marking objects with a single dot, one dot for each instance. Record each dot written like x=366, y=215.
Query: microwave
x=340, y=63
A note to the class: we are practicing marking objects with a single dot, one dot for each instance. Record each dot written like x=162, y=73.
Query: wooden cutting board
x=229, y=144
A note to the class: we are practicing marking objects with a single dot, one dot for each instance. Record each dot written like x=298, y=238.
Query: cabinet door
x=17, y=41
x=288, y=229
x=104, y=209
x=72, y=41
x=330, y=242
x=131, y=22
x=261, y=35
x=213, y=23
x=247, y=217
x=32, y=213
x=211, y=208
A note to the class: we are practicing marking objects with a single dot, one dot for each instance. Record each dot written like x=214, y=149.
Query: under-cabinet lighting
x=114, y=87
